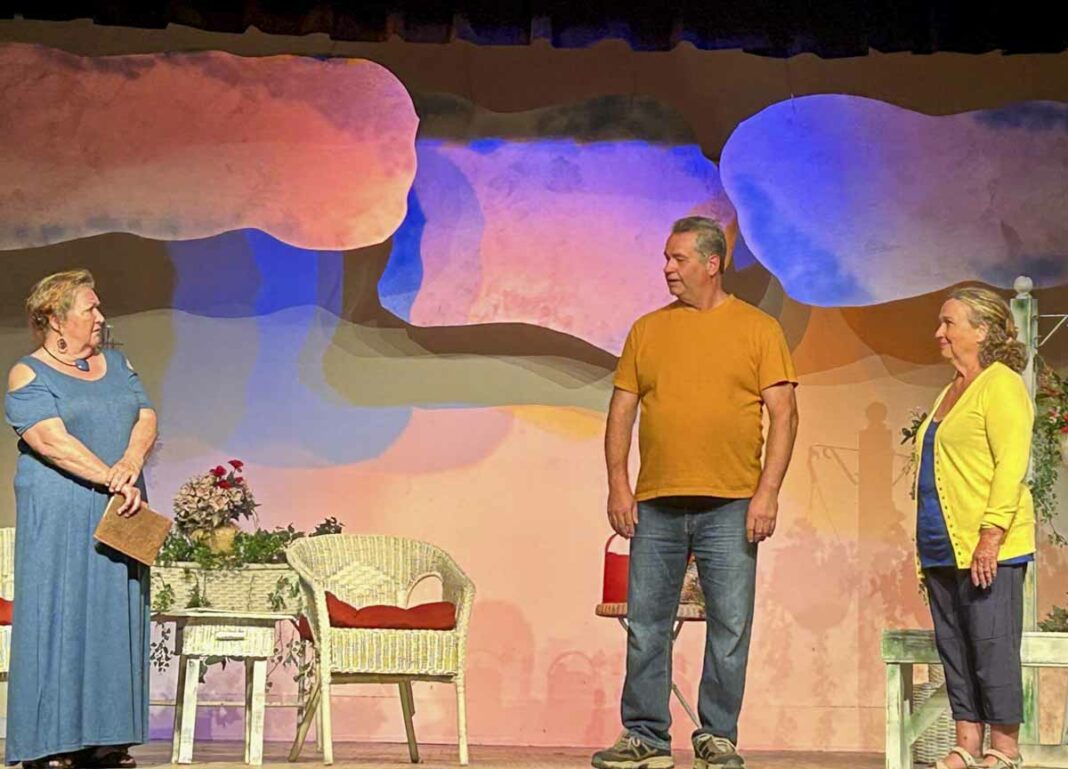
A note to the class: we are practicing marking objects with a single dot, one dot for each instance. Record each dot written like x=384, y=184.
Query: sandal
x=1003, y=761
x=104, y=758
x=965, y=756
x=58, y=761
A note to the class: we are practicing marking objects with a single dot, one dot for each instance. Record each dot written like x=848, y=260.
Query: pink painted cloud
x=320, y=154
x=551, y=232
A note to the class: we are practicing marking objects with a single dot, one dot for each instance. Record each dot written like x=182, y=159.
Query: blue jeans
x=669, y=529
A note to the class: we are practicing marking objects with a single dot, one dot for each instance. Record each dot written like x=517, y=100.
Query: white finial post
x=1025, y=313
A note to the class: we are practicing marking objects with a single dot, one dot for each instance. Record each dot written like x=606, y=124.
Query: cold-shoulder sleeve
x=32, y=403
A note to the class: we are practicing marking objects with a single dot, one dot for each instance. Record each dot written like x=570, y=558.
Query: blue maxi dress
x=80, y=630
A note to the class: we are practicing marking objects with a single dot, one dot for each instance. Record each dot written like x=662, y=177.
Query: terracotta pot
x=219, y=541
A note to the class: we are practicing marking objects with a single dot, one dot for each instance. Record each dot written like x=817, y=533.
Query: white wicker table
x=7, y=590
x=205, y=633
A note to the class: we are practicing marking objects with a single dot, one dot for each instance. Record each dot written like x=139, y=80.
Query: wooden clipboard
x=140, y=536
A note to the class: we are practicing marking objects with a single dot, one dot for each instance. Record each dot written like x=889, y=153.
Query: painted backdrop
x=402, y=309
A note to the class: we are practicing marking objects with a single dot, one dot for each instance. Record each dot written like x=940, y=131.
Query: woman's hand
x=123, y=473
x=985, y=557
x=131, y=504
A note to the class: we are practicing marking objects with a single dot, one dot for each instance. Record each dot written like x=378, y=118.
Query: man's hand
x=622, y=511
x=985, y=557
x=760, y=520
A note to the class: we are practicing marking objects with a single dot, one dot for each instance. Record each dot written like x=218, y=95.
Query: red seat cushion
x=7, y=608
x=341, y=614
x=440, y=615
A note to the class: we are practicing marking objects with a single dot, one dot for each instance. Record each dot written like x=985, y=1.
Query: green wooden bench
x=901, y=649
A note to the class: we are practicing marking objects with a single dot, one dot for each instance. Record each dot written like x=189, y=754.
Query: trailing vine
x=1051, y=424
x=1047, y=458
x=259, y=547
x=908, y=435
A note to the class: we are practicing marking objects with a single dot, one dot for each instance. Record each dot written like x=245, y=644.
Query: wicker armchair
x=7, y=590
x=370, y=570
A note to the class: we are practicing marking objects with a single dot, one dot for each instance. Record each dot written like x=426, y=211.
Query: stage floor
x=228, y=754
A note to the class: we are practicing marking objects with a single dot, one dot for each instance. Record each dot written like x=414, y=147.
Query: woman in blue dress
x=78, y=686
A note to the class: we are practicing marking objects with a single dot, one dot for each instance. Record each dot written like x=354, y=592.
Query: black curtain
x=829, y=28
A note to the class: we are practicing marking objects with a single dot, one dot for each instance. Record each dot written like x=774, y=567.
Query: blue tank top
x=932, y=538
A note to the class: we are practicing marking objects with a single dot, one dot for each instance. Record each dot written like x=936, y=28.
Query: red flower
x=224, y=485
x=219, y=471
x=238, y=479
x=237, y=464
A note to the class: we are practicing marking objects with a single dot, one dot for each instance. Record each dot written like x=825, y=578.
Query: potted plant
x=208, y=506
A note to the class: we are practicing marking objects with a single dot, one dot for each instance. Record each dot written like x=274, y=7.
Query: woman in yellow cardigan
x=975, y=527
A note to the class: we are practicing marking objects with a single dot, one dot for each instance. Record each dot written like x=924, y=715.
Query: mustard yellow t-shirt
x=699, y=376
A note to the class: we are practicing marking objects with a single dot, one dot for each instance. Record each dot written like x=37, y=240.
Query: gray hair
x=710, y=240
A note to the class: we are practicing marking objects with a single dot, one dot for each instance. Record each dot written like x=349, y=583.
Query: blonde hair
x=985, y=308
x=53, y=296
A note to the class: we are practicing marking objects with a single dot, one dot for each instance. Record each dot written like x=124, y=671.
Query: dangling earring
x=62, y=344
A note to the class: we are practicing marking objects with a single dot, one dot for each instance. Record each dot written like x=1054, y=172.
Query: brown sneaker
x=631, y=753
x=712, y=752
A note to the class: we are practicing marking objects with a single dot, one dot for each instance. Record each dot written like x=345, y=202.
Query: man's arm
x=622, y=509
x=781, y=403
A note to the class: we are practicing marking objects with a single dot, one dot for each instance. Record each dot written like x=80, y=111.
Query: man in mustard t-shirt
x=701, y=369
